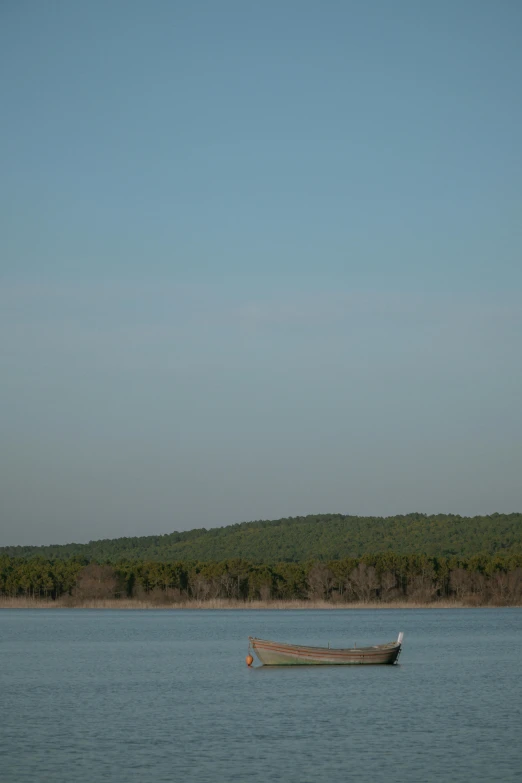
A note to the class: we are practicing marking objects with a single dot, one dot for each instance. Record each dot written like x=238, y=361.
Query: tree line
x=386, y=577
x=298, y=539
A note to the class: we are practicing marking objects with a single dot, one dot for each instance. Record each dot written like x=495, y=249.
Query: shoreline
x=221, y=604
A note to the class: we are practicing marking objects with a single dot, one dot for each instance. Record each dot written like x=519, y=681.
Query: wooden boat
x=278, y=654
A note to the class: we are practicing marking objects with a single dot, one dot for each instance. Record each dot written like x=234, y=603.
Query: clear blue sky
x=257, y=259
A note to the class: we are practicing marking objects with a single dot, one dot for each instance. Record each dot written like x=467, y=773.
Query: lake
x=121, y=696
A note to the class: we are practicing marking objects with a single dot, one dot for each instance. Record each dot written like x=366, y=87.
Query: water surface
x=166, y=696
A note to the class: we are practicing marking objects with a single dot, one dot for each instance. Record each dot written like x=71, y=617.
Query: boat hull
x=279, y=654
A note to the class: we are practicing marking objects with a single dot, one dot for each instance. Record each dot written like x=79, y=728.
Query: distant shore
x=220, y=603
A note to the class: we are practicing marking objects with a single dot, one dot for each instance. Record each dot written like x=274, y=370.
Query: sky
x=257, y=260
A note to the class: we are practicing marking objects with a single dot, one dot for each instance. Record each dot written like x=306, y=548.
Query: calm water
x=166, y=696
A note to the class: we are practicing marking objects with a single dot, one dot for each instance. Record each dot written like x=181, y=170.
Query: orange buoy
x=249, y=660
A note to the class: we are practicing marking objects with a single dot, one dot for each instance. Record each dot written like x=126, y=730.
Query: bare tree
x=201, y=588
x=96, y=581
x=422, y=588
x=265, y=592
x=459, y=583
x=227, y=584
x=514, y=588
x=507, y=586
x=320, y=581
x=363, y=582
x=389, y=589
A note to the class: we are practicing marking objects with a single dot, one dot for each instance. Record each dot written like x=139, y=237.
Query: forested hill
x=322, y=537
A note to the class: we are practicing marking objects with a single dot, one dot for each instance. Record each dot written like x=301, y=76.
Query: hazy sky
x=257, y=260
